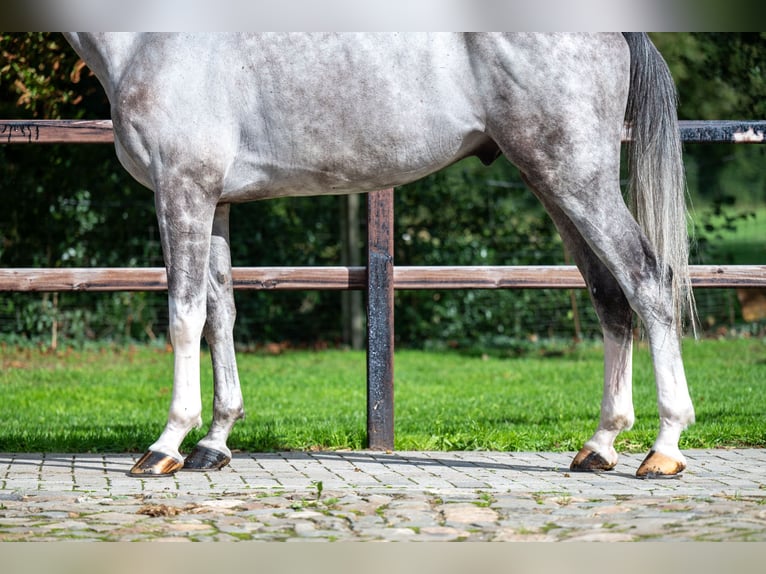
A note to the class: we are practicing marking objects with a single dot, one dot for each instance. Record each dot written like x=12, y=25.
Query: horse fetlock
x=680, y=420
x=214, y=444
x=181, y=421
x=227, y=416
x=615, y=424
x=674, y=421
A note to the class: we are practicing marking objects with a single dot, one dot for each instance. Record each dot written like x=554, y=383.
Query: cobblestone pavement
x=361, y=496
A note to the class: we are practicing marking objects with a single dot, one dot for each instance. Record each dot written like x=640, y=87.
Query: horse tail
x=657, y=185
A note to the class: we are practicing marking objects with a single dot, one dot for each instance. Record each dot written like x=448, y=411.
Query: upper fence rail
x=100, y=131
x=343, y=278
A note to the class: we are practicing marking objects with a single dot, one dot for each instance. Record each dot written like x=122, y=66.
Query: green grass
x=114, y=400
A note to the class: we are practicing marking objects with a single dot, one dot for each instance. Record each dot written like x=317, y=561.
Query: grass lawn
x=114, y=400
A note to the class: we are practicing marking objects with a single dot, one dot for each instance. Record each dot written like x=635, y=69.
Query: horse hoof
x=590, y=461
x=155, y=464
x=657, y=465
x=203, y=458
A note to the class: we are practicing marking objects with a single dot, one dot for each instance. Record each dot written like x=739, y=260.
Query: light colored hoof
x=658, y=465
x=155, y=465
x=588, y=460
x=202, y=459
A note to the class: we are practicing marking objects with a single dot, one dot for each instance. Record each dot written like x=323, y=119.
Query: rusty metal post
x=380, y=320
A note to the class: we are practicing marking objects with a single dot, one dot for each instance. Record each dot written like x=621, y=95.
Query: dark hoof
x=589, y=461
x=203, y=458
x=658, y=465
x=155, y=464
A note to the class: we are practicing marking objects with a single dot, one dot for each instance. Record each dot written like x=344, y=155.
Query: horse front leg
x=211, y=452
x=185, y=215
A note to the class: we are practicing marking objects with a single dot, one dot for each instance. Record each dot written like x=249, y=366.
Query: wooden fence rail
x=100, y=131
x=379, y=278
x=355, y=278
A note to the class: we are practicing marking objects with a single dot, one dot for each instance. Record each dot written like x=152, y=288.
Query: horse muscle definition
x=208, y=120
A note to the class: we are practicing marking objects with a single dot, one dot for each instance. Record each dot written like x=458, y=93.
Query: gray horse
x=207, y=120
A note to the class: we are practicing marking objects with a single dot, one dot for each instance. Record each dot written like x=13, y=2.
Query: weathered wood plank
x=488, y=277
x=155, y=279
x=343, y=278
x=557, y=277
x=300, y=278
x=56, y=131
x=84, y=279
x=728, y=276
x=100, y=131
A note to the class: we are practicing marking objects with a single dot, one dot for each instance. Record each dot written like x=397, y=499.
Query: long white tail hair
x=657, y=185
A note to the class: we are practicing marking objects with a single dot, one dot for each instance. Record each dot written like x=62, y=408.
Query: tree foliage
x=42, y=77
x=721, y=76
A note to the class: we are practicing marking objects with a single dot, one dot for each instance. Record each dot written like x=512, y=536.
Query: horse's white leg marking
x=674, y=403
x=617, y=402
x=228, y=405
x=186, y=322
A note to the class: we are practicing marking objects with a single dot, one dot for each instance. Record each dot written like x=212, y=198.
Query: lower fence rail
x=355, y=278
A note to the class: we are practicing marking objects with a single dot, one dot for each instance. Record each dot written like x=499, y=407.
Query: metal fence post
x=380, y=320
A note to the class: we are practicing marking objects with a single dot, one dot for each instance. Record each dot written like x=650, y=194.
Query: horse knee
x=186, y=324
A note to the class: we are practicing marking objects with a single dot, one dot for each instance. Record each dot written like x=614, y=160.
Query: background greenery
x=73, y=205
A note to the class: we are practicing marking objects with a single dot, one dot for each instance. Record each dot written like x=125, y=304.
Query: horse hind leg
x=607, y=227
x=616, y=318
x=211, y=452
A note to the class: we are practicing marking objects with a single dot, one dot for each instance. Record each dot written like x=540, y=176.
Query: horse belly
x=346, y=166
x=342, y=113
